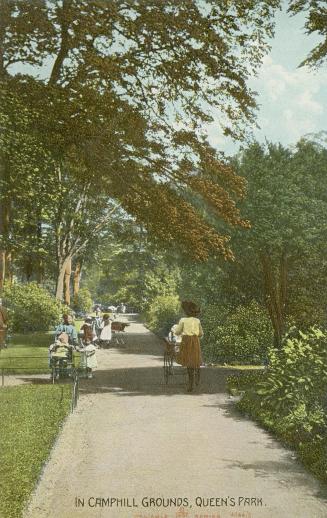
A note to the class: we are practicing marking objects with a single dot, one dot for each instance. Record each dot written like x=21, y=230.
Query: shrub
x=295, y=386
x=83, y=300
x=164, y=311
x=290, y=398
x=31, y=308
x=241, y=335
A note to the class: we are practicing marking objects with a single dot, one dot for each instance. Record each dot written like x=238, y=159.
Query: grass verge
x=30, y=417
x=24, y=360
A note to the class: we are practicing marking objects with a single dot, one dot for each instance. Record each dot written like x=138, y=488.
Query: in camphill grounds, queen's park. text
x=168, y=503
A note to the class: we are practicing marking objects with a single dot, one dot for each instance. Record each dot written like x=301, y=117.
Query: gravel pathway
x=135, y=448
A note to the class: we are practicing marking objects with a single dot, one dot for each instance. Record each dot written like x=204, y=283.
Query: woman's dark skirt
x=190, y=352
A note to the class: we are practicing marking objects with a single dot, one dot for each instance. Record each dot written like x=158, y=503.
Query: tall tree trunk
x=39, y=260
x=40, y=271
x=2, y=268
x=4, y=221
x=62, y=264
x=4, y=173
x=9, y=268
x=77, y=277
x=275, y=294
x=283, y=281
x=28, y=268
x=68, y=272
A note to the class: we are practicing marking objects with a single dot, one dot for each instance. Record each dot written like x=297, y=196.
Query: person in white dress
x=106, y=333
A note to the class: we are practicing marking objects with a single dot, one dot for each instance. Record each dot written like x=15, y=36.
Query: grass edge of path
x=31, y=418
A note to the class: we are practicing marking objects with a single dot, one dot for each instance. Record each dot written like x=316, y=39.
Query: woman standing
x=191, y=330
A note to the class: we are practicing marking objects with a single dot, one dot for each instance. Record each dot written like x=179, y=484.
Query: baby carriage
x=61, y=358
x=172, y=348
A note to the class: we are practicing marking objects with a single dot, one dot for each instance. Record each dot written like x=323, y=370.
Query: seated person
x=68, y=328
x=175, y=339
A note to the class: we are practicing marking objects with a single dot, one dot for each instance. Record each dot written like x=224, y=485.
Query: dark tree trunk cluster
x=275, y=291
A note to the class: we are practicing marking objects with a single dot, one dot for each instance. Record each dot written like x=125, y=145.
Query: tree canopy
x=316, y=22
x=116, y=97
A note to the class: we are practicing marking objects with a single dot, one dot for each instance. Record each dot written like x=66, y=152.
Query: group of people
x=93, y=333
x=97, y=332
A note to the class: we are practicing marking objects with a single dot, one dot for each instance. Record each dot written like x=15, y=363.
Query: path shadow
x=137, y=343
x=150, y=381
x=290, y=473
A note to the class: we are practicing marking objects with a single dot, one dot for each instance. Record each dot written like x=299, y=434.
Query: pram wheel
x=197, y=376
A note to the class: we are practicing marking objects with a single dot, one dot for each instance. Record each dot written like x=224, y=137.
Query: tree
x=132, y=270
x=26, y=167
x=286, y=204
x=130, y=88
x=316, y=22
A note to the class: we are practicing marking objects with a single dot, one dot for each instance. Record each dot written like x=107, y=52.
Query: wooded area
x=105, y=157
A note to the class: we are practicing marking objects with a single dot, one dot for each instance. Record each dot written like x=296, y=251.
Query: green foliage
x=131, y=271
x=290, y=398
x=164, y=311
x=31, y=308
x=285, y=244
x=30, y=418
x=85, y=140
x=83, y=300
x=238, y=383
x=297, y=375
x=241, y=335
x=315, y=23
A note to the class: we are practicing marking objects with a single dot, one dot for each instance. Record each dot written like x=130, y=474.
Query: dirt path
x=133, y=439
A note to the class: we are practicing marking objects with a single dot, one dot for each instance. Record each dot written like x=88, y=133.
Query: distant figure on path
x=190, y=329
x=98, y=322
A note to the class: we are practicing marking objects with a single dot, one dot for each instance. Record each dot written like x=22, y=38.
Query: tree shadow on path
x=150, y=381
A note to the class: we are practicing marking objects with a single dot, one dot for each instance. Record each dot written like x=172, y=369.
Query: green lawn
x=24, y=360
x=40, y=339
x=28, y=353
x=37, y=339
x=30, y=416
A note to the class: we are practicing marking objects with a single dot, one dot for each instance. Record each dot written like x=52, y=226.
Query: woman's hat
x=190, y=308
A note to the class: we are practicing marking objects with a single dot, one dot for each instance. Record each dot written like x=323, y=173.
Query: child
x=105, y=335
x=90, y=359
x=89, y=334
x=98, y=323
x=172, y=337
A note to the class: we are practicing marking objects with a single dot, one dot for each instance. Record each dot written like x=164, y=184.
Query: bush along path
x=290, y=398
x=135, y=442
